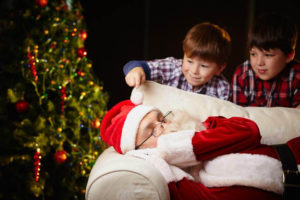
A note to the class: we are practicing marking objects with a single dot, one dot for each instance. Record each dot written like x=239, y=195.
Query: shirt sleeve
x=162, y=70
x=296, y=92
x=224, y=136
x=224, y=89
x=137, y=63
x=238, y=96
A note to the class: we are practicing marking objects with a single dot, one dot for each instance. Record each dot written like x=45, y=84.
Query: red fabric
x=112, y=124
x=185, y=189
x=249, y=90
x=295, y=147
x=223, y=136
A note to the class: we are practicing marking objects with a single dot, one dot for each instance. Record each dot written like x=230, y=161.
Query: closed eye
x=269, y=55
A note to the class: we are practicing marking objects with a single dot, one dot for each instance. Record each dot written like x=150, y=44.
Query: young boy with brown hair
x=272, y=76
x=206, y=50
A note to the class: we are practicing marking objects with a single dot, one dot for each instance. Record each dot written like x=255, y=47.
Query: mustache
x=181, y=120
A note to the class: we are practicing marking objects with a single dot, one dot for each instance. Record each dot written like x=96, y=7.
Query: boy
x=231, y=162
x=272, y=76
x=206, y=50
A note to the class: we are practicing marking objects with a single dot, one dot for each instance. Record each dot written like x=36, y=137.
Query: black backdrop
x=119, y=31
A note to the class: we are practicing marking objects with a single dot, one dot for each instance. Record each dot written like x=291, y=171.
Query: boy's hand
x=135, y=77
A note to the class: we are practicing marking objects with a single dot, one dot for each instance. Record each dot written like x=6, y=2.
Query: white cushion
x=115, y=176
x=276, y=124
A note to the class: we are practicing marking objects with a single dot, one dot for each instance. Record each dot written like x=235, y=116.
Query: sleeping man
x=220, y=158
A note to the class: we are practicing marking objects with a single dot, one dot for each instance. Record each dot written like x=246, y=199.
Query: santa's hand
x=177, y=149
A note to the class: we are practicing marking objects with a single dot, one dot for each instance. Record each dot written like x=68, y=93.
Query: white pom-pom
x=137, y=98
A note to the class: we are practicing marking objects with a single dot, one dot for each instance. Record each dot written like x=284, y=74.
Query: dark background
x=120, y=31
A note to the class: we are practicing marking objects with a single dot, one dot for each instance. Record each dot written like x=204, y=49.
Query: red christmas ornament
x=37, y=165
x=83, y=34
x=60, y=156
x=22, y=106
x=42, y=3
x=62, y=97
x=32, y=64
x=96, y=124
x=81, y=52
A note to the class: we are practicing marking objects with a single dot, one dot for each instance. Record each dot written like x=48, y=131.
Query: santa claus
x=221, y=158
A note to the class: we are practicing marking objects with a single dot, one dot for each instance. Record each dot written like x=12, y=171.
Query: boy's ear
x=290, y=56
x=221, y=68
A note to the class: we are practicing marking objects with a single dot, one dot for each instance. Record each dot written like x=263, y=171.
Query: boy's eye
x=204, y=66
x=268, y=55
x=252, y=54
x=189, y=61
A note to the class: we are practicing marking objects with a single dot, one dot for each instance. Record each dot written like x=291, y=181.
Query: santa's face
x=151, y=127
x=154, y=124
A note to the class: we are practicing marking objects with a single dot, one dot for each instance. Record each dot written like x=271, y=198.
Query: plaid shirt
x=168, y=72
x=283, y=90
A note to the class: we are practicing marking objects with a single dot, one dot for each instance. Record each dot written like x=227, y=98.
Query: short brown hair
x=208, y=41
x=272, y=31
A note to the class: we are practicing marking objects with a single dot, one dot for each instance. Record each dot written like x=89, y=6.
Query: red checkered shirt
x=283, y=90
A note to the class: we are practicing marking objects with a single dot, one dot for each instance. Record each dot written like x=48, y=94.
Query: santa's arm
x=222, y=136
x=225, y=136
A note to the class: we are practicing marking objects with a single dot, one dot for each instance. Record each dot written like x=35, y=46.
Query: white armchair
x=116, y=176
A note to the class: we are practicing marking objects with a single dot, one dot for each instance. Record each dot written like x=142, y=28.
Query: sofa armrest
x=116, y=176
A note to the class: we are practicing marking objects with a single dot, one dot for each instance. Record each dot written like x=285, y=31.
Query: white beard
x=182, y=120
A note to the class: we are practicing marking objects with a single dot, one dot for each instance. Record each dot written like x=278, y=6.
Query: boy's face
x=198, y=71
x=268, y=63
x=150, y=128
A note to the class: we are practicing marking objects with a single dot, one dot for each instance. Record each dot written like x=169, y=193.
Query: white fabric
x=251, y=170
x=169, y=172
x=177, y=149
x=131, y=126
x=277, y=124
x=118, y=177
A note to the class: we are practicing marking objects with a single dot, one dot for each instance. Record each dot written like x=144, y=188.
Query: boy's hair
x=209, y=42
x=272, y=31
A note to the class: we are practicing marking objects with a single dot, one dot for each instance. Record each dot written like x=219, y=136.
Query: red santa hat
x=120, y=124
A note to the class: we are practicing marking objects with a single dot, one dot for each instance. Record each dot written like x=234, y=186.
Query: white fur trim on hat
x=131, y=125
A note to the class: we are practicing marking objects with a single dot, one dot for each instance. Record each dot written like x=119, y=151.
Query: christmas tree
x=51, y=102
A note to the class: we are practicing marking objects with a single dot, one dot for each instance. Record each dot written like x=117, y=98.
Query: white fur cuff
x=177, y=149
x=251, y=170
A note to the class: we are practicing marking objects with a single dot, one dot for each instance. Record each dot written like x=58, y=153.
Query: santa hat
x=120, y=124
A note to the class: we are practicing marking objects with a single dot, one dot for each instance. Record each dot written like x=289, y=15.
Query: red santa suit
x=235, y=164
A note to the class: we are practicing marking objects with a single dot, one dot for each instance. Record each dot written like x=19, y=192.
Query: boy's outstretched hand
x=135, y=77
